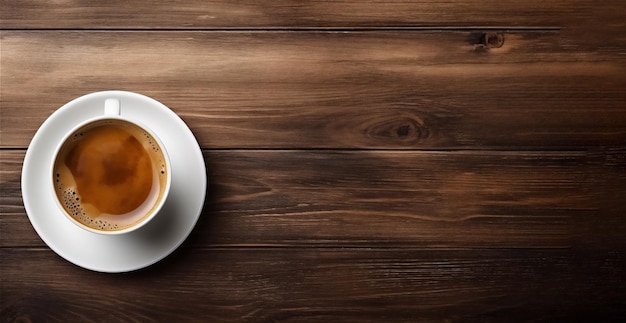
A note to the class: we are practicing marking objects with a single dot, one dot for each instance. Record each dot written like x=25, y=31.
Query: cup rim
x=144, y=220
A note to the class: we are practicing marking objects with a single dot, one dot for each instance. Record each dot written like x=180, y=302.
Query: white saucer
x=142, y=247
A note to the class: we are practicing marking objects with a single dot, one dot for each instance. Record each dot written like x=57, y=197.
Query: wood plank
x=398, y=90
x=313, y=285
x=393, y=199
x=13, y=219
x=290, y=14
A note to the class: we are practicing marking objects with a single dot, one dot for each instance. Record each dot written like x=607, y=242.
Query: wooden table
x=368, y=160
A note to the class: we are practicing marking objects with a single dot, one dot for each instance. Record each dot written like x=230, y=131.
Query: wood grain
x=313, y=285
x=383, y=90
x=293, y=14
x=393, y=199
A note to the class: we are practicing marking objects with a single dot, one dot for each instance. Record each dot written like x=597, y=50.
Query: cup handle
x=112, y=107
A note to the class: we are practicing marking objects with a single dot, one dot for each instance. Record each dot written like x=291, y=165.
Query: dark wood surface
x=369, y=161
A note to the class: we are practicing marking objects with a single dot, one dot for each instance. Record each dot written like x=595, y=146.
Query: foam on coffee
x=109, y=175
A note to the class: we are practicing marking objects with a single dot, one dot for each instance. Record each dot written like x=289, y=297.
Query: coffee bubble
x=151, y=142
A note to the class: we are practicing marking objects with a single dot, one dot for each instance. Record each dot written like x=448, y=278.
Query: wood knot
x=402, y=129
x=492, y=39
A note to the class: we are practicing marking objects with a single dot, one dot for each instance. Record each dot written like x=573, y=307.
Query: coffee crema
x=109, y=175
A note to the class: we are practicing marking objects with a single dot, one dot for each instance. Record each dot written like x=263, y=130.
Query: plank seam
x=303, y=29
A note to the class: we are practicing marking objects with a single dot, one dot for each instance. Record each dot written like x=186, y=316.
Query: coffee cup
x=110, y=174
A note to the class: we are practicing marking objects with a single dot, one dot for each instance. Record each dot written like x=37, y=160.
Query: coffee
x=110, y=174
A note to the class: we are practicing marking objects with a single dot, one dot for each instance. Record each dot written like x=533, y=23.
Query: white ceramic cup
x=104, y=223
